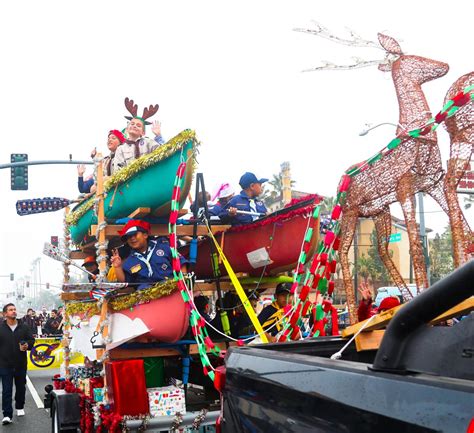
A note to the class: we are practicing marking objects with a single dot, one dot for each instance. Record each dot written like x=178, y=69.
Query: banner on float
x=47, y=354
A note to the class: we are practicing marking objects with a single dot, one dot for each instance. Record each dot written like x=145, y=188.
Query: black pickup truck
x=421, y=378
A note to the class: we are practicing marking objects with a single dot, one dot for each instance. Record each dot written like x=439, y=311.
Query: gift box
x=98, y=395
x=166, y=401
x=84, y=385
x=154, y=372
x=95, y=382
x=126, y=387
x=77, y=371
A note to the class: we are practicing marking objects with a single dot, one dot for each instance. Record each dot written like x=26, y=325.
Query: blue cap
x=249, y=178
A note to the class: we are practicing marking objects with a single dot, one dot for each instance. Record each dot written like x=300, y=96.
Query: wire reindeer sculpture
x=414, y=166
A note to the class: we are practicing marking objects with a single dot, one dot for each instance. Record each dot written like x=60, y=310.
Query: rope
x=338, y=355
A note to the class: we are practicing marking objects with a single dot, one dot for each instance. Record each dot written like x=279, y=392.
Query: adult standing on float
x=136, y=144
x=15, y=339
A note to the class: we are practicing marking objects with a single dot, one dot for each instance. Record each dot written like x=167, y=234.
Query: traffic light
x=27, y=284
x=19, y=175
x=47, y=285
x=12, y=277
x=55, y=241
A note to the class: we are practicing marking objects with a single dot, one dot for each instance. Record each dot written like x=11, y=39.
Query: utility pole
x=424, y=238
x=356, y=254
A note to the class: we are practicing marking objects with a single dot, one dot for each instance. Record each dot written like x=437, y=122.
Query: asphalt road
x=37, y=419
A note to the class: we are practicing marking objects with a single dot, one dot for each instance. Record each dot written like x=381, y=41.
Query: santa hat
x=389, y=303
x=225, y=190
x=134, y=226
x=118, y=134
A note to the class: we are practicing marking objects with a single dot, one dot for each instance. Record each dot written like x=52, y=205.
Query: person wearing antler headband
x=136, y=143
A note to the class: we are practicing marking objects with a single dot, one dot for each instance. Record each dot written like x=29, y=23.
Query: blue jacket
x=241, y=202
x=84, y=187
x=152, y=267
x=219, y=213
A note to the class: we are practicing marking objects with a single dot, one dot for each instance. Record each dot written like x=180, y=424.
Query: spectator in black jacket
x=30, y=320
x=15, y=339
x=53, y=324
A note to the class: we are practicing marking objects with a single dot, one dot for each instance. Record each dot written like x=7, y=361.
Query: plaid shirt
x=127, y=152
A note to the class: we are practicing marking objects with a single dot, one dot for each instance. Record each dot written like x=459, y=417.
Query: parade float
x=124, y=326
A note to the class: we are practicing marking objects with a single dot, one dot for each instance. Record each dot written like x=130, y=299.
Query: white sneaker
x=20, y=412
x=6, y=420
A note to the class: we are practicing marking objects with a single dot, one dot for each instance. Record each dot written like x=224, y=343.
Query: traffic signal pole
x=45, y=162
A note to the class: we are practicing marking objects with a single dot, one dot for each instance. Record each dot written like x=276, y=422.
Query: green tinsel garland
x=162, y=152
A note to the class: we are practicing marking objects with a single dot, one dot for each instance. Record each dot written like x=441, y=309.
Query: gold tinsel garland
x=124, y=302
x=143, y=296
x=75, y=308
x=162, y=152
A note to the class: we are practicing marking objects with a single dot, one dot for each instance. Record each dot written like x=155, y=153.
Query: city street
x=37, y=418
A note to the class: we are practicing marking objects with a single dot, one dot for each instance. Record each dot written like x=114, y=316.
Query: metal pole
x=45, y=162
x=356, y=253
x=424, y=239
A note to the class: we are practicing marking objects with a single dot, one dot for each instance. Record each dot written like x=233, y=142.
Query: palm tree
x=277, y=183
x=328, y=204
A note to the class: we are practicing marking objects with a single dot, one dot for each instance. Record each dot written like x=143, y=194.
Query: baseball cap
x=89, y=260
x=132, y=227
x=283, y=288
x=248, y=178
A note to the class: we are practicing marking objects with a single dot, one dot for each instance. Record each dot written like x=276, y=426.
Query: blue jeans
x=9, y=375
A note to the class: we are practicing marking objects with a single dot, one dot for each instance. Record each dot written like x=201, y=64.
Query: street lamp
x=369, y=128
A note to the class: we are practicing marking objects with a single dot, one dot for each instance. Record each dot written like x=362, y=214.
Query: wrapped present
x=126, y=388
x=166, y=401
x=77, y=371
x=154, y=372
x=84, y=385
x=95, y=382
x=98, y=394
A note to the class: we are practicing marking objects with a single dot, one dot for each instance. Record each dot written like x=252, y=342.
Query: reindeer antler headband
x=132, y=108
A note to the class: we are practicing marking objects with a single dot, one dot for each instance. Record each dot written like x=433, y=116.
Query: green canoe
x=147, y=182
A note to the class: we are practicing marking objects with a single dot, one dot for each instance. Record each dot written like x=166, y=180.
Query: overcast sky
x=231, y=70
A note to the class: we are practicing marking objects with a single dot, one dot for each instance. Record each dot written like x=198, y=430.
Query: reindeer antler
x=150, y=111
x=131, y=107
x=359, y=63
x=354, y=41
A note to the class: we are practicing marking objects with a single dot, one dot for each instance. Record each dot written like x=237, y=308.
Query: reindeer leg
x=463, y=236
x=459, y=227
x=406, y=197
x=348, y=227
x=383, y=226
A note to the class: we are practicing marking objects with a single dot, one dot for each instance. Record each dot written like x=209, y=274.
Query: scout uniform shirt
x=151, y=267
x=129, y=151
x=269, y=316
x=243, y=202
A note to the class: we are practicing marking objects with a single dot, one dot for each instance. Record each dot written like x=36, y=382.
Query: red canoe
x=266, y=247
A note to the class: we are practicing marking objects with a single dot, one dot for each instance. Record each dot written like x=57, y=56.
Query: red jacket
x=365, y=310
